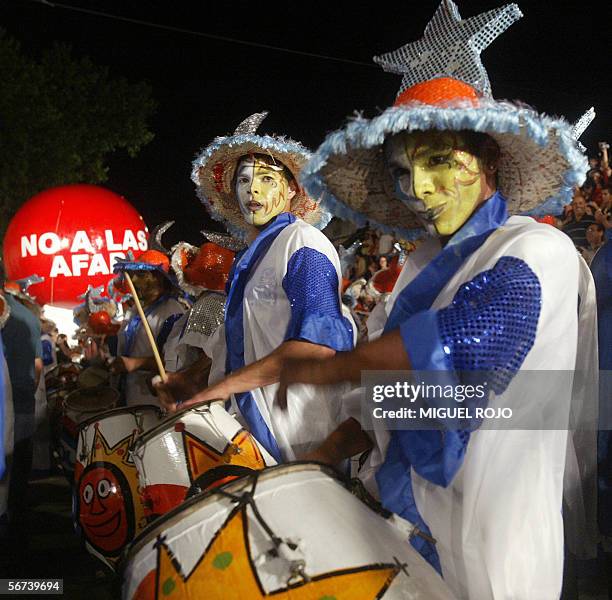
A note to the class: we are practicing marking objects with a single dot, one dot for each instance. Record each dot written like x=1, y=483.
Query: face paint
x=102, y=508
x=263, y=191
x=440, y=181
x=147, y=285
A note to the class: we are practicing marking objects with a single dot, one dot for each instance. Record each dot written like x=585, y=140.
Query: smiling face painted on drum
x=104, y=508
x=440, y=177
x=263, y=189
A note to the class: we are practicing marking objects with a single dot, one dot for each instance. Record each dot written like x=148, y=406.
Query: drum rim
x=115, y=411
x=209, y=496
x=169, y=420
x=80, y=390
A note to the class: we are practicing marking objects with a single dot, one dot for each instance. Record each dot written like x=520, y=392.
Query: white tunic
x=136, y=383
x=498, y=524
x=313, y=412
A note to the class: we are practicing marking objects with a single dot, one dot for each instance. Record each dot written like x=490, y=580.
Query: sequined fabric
x=490, y=326
x=450, y=47
x=311, y=285
x=251, y=123
x=206, y=314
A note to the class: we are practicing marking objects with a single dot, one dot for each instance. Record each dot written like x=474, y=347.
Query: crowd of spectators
x=588, y=219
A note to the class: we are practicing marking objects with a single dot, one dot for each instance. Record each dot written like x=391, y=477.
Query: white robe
x=136, y=383
x=313, y=412
x=498, y=524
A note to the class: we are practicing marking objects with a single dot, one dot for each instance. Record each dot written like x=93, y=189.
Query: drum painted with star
x=198, y=448
x=291, y=532
x=108, y=511
x=79, y=406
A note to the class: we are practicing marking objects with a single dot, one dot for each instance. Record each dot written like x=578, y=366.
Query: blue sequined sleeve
x=489, y=326
x=311, y=285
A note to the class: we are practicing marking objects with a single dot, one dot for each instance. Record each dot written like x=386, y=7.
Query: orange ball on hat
x=437, y=92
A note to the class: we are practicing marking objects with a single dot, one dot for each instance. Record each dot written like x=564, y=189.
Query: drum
x=78, y=406
x=292, y=531
x=195, y=449
x=107, y=506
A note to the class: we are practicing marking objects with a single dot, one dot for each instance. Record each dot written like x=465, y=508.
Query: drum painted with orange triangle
x=107, y=505
x=291, y=532
x=196, y=449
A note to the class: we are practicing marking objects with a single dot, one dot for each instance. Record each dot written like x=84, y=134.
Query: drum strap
x=249, y=498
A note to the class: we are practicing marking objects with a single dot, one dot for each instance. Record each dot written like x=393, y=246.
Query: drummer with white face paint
x=283, y=295
x=263, y=190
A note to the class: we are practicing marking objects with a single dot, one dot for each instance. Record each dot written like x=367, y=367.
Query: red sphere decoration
x=99, y=322
x=71, y=235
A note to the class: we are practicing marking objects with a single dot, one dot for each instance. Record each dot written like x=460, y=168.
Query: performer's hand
x=163, y=394
x=319, y=455
x=90, y=349
x=177, y=388
x=119, y=365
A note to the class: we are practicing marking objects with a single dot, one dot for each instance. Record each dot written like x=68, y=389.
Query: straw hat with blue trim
x=445, y=87
x=214, y=169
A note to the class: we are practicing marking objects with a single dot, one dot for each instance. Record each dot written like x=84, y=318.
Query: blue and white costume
x=285, y=286
x=502, y=310
x=133, y=341
x=506, y=301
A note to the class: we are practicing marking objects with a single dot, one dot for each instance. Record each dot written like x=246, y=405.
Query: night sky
x=555, y=58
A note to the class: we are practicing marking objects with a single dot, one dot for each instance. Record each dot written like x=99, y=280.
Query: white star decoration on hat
x=450, y=47
x=579, y=127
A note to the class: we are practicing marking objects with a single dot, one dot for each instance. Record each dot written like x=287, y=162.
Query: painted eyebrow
x=443, y=150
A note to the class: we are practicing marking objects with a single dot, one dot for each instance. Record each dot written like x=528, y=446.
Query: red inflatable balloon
x=71, y=235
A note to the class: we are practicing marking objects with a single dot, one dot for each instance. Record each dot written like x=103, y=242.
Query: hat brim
x=214, y=169
x=127, y=265
x=539, y=163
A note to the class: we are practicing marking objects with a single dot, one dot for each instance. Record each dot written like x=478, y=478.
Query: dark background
x=555, y=58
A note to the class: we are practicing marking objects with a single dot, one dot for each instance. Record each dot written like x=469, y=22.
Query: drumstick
x=147, y=328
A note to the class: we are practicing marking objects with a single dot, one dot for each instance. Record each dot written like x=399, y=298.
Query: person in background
x=604, y=213
x=7, y=424
x=577, y=220
x=48, y=342
x=595, y=235
x=601, y=267
x=63, y=351
x=23, y=352
x=157, y=290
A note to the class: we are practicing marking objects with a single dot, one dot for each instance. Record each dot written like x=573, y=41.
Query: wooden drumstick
x=147, y=328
